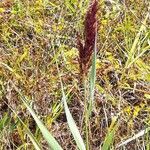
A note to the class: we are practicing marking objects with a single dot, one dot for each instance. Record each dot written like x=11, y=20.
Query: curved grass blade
x=131, y=55
x=71, y=123
x=53, y=144
x=141, y=133
x=29, y=133
x=73, y=128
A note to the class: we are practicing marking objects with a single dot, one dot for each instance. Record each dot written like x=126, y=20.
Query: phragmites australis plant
x=86, y=47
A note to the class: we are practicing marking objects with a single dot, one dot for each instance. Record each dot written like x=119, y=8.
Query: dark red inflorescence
x=86, y=49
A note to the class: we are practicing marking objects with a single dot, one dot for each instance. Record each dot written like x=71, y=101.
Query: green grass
x=43, y=107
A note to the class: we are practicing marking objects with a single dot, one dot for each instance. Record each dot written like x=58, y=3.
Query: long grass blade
x=71, y=123
x=53, y=144
x=73, y=128
x=29, y=133
x=136, y=41
x=141, y=133
x=93, y=76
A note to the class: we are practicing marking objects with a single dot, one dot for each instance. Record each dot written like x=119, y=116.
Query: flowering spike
x=86, y=49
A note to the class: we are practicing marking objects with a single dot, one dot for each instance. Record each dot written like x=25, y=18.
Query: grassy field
x=45, y=100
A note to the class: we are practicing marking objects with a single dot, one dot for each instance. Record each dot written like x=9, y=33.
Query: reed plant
x=87, y=51
x=42, y=104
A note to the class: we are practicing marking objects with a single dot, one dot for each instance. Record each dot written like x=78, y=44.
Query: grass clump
x=41, y=60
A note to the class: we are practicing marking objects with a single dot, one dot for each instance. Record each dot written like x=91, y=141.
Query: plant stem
x=86, y=112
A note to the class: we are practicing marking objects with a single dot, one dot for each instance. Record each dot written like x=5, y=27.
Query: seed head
x=86, y=49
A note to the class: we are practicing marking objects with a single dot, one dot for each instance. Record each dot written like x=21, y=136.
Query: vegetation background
x=39, y=36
